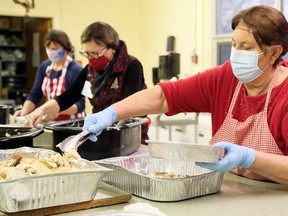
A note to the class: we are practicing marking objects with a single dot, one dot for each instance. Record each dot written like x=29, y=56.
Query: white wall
x=188, y=20
x=143, y=24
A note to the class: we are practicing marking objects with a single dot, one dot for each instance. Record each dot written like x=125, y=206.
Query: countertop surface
x=238, y=196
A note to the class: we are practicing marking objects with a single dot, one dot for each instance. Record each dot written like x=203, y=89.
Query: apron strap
x=47, y=81
x=237, y=90
x=271, y=85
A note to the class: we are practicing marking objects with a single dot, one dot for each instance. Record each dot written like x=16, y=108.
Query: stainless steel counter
x=238, y=196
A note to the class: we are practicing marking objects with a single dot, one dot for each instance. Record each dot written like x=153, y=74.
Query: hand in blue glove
x=235, y=155
x=97, y=122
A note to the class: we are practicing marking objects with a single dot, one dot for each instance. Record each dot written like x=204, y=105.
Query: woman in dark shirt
x=111, y=75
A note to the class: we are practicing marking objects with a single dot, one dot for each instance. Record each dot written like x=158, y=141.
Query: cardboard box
x=3, y=93
x=15, y=23
x=4, y=23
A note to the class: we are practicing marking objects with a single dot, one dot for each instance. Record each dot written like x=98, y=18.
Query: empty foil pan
x=47, y=190
x=138, y=175
x=184, y=151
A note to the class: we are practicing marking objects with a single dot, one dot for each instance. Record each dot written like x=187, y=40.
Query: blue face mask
x=55, y=55
x=245, y=64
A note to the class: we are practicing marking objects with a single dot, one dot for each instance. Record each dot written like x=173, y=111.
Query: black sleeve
x=73, y=93
x=134, y=78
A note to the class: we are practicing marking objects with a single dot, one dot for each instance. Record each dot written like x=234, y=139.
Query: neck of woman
x=58, y=66
x=261, y=85
x=255, y=91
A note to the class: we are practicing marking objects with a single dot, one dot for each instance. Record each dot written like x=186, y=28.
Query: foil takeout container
x=47, y=190
x=136, y=174
x=184, y=151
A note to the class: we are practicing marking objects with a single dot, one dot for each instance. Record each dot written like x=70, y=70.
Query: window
x=284, y=7
x=223, y=53
x=224, y=11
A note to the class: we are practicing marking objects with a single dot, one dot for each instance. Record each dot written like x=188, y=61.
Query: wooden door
x=35, y=30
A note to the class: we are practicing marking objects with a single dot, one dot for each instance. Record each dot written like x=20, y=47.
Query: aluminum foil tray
x=136, y=175
x=40, y=191
x=184, y=151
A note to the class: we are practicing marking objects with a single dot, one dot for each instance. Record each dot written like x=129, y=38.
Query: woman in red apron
x=54, y=86
x=54, y=76
x=246, y=96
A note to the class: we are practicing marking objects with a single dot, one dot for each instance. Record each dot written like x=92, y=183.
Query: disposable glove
x=97, y=122
x=235, y=155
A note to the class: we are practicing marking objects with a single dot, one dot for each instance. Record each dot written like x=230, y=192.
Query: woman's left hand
x=235, y=156
x=37, y=118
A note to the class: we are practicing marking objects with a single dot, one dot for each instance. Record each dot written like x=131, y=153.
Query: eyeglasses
x=92, y=54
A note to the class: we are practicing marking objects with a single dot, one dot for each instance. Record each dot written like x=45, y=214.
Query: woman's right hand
x=37, y=118
x=18, y=117
x=23, y=110
x=34, y=118
x=18, y=113
x=47, y=112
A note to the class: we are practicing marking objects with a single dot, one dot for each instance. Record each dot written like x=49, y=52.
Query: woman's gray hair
x=101, y=33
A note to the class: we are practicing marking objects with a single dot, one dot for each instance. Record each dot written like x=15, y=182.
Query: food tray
x=136, y=175
x=12, y=136
x=184, y=151
x=47, y=190
x=114, y=141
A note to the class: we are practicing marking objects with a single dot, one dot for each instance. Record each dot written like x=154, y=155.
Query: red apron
x=56, y=86
x=254, y=132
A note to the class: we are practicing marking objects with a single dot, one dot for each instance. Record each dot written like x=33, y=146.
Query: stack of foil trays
x=47, y=190
x=137, y=175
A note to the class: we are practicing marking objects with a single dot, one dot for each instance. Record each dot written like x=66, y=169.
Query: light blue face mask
x=55, y=55
x=245, y=64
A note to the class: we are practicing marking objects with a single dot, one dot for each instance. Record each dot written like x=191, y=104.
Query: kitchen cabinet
x=12, y=57
x=21, y=52
x=183, y=127
x=204, y=132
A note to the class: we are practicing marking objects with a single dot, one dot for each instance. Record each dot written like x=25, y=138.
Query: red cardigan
x=212, y=91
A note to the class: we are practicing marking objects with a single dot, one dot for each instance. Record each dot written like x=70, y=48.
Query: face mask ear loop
x=266, y=67
x=268, y=63
x=268, y=49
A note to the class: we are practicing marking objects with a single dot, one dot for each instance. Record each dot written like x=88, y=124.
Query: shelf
x=15, y=76
x=12, y=60
x=4, y=31
x=14, y=88
x=12, y=46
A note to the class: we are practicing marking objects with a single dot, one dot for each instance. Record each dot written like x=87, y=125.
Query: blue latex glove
x=235, y=155
x=97, y=122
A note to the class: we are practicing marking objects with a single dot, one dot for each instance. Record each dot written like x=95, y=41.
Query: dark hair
x=101, y=33
x=269, y=26
x=59, y=37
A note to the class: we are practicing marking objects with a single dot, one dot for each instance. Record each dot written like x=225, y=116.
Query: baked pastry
x=20, y=165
